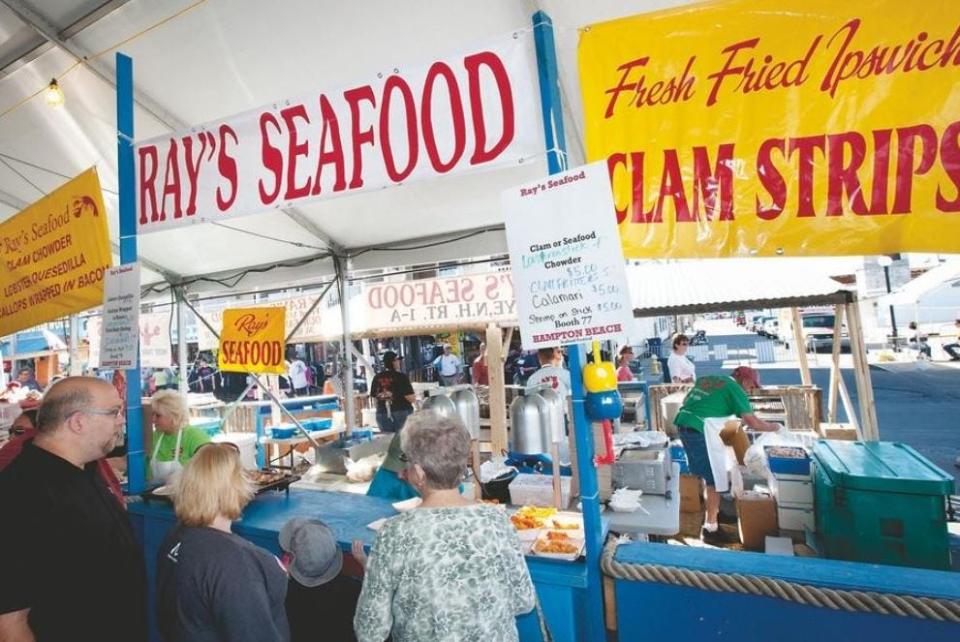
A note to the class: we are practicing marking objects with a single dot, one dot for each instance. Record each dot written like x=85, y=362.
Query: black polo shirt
x=69, y=553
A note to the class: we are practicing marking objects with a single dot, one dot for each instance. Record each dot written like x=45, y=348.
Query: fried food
x=531, y=517
x=262, y=477
x=557, y=536
x=562, y=547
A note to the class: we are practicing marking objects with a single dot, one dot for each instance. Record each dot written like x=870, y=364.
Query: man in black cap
x=393, y=393
x=317, y=593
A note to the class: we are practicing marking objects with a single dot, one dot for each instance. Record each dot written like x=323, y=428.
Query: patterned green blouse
x=445, y=575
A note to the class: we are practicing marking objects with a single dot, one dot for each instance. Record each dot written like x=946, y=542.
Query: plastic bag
x=755, y=459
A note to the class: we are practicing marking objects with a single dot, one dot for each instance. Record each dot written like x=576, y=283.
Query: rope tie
x=926, y=608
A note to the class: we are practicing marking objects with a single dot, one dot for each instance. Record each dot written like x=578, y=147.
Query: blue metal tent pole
x=557, y=162
x=136, y=466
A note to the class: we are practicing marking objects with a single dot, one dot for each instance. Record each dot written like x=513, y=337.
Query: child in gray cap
x=318, y=596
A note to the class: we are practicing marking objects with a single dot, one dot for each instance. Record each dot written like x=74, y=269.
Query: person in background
x=681, y=368
x=953, y=349
x=174, y=440
x=418, y=583
x=551, y=371
x=623, y=372
x=447, y=366
x=918, y=341
x=479, y=373
x=705, y=409
x=73, y=569
x=297, y=372
x=24, y=429
x=203, y=380
x=212, y=584
x=26, y=379
x=317, y=592
x=394, y=395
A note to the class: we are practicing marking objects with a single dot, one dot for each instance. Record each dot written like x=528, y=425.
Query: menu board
x=119, y=331
x=567, y=260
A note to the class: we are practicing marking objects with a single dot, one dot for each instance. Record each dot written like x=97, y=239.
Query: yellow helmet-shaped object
x=599, y=376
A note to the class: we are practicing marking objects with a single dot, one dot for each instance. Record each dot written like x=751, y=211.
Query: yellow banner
x=54, y=254
x=775, y=127
x=252, y=340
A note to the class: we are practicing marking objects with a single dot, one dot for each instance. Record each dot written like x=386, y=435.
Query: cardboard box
x=734, y=436
x=691, y=524
x=757, y=515
x=841, y=432
x=691, y=494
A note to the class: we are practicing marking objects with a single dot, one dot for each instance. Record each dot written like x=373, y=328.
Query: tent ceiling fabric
x=910, y=293
x=713, y=285
x=222, y=57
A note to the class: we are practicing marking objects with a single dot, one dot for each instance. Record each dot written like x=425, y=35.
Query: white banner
x=476, y=110
x=458, y=301
x=155, y=350
x=120, y=326
x=567, y=260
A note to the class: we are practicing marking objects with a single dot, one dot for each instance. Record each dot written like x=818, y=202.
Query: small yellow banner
x=252, y=340
x=54, y=254
x=775, y=127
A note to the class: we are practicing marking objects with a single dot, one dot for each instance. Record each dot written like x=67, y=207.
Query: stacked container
x=881, y=502
x=794, y=488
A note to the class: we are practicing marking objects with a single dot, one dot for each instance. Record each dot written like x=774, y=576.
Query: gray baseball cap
x=316, y=557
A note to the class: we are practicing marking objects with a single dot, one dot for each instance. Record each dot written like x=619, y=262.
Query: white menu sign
x=568, y=265
x=119, y=330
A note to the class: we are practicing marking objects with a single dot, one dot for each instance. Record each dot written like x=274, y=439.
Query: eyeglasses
x=116, y=412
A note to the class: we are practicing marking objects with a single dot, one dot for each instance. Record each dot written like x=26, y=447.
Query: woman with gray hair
x=450, y=569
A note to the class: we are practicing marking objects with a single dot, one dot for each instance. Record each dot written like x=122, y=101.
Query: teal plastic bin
x=881, y=502
x=211, y=427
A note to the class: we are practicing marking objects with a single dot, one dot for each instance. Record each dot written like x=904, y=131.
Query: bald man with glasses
x=73, y=569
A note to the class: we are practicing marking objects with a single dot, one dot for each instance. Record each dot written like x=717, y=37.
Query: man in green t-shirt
x=715, y=397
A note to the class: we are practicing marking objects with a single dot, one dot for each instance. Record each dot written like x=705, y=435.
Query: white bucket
x=246, y=442
x=339, y=419
x=368, y=417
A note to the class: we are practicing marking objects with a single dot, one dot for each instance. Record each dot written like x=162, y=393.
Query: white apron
x=717, y=451
x=162, y=471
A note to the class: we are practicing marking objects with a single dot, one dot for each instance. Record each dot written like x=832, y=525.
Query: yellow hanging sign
x=765, y=128
x=252, y=340
x=54, y=254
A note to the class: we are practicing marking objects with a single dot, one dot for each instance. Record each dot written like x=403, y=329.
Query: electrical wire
x=27, y=180
x=270, y=238
x=427, y=245
x=47, y=170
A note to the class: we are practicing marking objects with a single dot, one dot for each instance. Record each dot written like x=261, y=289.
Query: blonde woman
x=212, y=584
x=174, y=439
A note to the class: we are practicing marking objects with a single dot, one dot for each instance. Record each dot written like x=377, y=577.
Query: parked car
x=771, y=327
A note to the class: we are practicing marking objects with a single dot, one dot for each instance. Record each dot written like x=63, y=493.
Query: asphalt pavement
x=918, y=405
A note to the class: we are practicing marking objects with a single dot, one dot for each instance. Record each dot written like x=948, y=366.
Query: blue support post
x=136, y=465
x=557, y=162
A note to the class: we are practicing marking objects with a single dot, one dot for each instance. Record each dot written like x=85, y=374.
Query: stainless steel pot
x=529, y=425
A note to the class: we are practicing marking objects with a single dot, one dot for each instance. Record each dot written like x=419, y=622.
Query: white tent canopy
x=911, y=293
x=197, y=61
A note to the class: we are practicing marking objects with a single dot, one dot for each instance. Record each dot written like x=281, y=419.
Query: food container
x=530, y=432
x=789, y=460
x=283, y=432
x=546, y=539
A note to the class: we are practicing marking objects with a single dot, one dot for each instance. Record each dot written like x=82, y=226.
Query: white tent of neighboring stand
x=911, y=293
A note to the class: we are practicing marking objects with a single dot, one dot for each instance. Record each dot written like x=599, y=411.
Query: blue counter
x=649, y=610
x=560, y=585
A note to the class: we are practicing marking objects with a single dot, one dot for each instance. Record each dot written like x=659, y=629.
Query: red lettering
x=881, y=170
x=903, y=191
x=227, y=165
x=492, y=62
x=360, y=138
x=671, y=186
x=437, y=70
x=272, y=159
x=410, y=108
x=707, y=184
x=613, y=161
x=950, y=158
x=805, y=146
x=622, y=85
x=772, y=179
x=295, y=149
x=193, y=169
x=148, y=190
x=728, y=68
x=171, y=183
x=335, y=155
x=842, y=176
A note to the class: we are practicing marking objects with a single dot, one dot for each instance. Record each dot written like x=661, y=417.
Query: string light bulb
x=54, y=95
